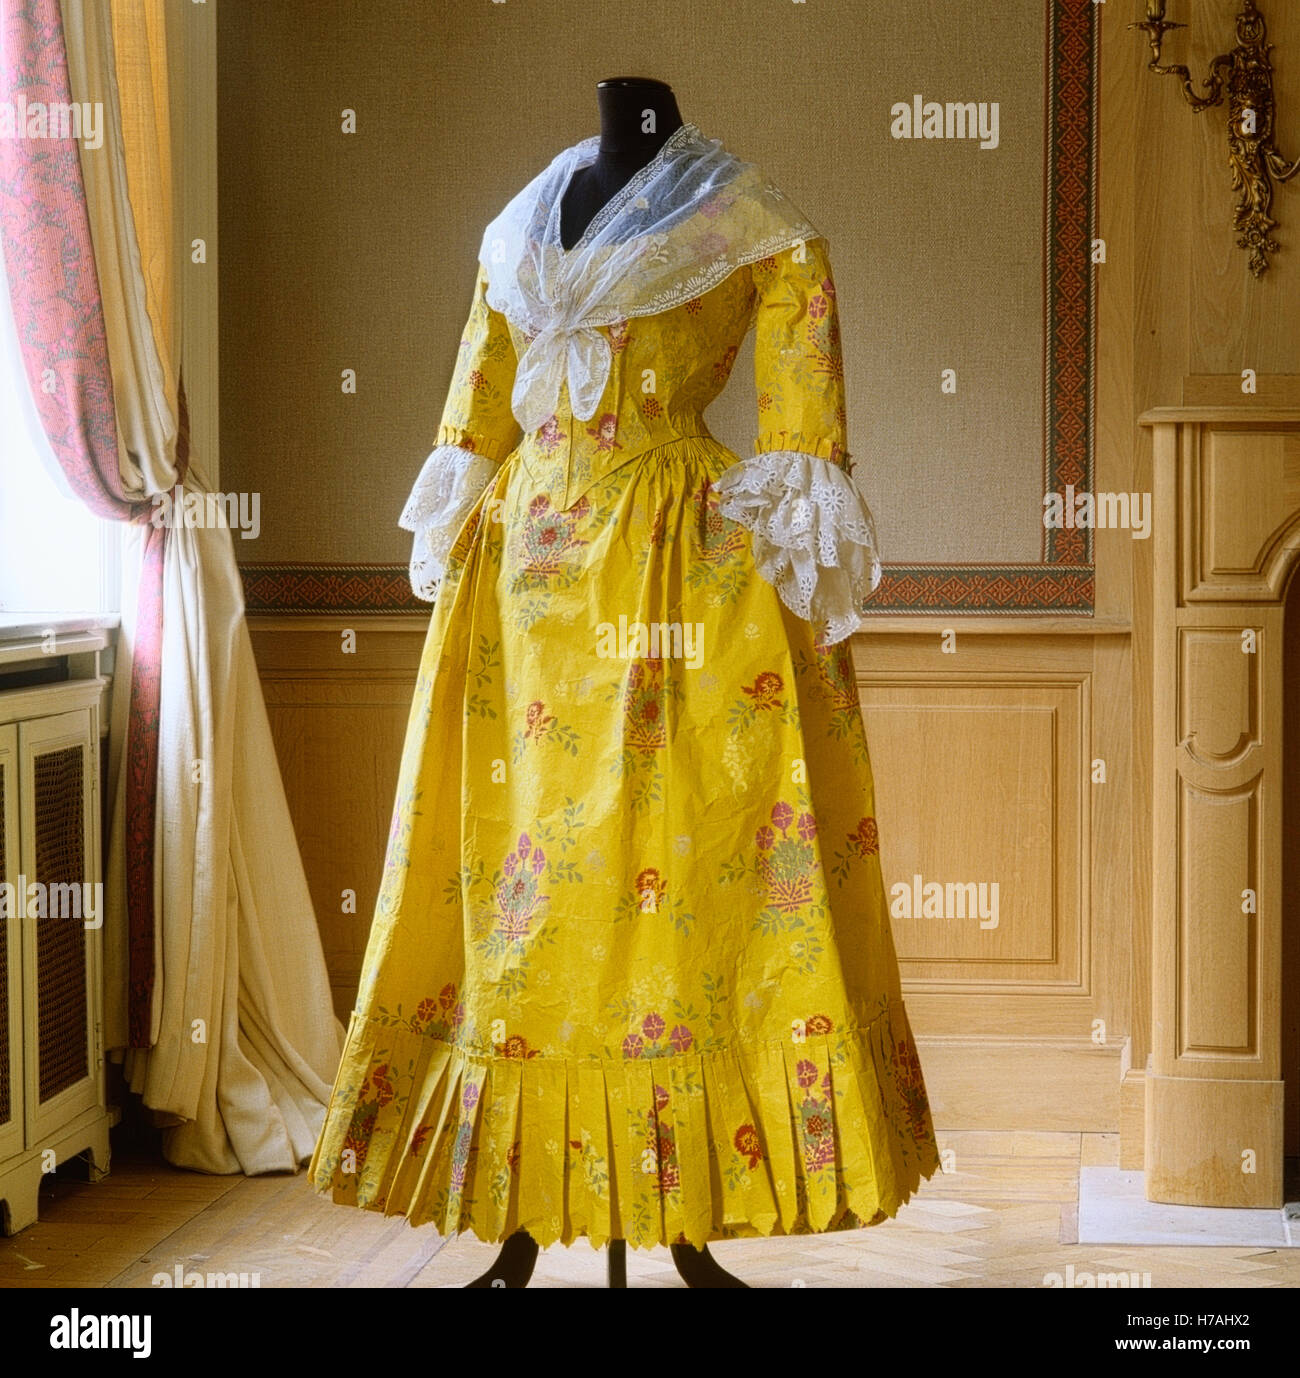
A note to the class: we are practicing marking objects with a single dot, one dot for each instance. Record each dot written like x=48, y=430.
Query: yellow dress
x=630, y=973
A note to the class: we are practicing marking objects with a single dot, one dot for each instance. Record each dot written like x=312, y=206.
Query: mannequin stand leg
x=700, y=1269
x=514, y=1264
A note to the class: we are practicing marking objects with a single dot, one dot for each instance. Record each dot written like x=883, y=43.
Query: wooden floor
x=1005, y=1217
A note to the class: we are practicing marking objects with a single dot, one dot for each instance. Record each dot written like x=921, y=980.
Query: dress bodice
x=665, y=370
x=813, y=535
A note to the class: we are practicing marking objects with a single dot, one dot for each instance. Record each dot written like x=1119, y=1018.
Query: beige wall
x=358, y=251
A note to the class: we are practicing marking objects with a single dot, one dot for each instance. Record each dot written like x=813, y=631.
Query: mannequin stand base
x=514, y=1265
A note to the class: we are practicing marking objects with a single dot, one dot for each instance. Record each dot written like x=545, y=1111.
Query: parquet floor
x=1005, y=1217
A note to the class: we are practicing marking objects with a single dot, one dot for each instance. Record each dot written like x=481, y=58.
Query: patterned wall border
x=325, y=588
x=1064, y=582
x=374, y=589
x=1070, y=306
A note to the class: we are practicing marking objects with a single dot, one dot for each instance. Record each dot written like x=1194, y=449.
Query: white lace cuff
x=450, y=484
x=814, y=539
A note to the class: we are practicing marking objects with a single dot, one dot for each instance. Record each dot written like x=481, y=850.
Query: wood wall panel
x=1218, y=945
x=953, y=751
x=1215, y=660
x=984, y=1084
x=1240, y=509
x=339, y=718
x=982, y=757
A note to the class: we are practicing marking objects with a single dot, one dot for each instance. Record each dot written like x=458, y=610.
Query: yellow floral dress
x=631, y=974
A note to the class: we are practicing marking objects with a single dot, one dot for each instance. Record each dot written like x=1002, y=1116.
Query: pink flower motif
x=469, y=1097
x=653, y=1027
x=525, y=846
x=816, y=307
x=765, y=837
x=782, y=815
x=632, y=1045
x=511, y=864
x=806, y=1072
x=681, y=1038
x=604, y=432
x=826, y=1083
x=458, y=1016
x=661, y=1097
x=807, y=827
x=549, y=434
x=539, y=861
x=820, y=1153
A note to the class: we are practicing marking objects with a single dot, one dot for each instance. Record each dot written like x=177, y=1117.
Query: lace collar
x=686, y=220
x=584, y=154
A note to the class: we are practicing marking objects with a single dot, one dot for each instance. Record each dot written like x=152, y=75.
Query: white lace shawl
x=689, y=218
x=681, y=225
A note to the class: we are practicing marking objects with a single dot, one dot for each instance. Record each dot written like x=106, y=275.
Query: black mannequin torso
x=627, y=105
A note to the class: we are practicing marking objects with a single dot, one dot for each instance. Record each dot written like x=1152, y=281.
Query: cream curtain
x=244, y=1039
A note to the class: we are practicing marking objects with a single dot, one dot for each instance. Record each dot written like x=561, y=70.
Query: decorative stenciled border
x=1064, y=582
x=373, y=589
x=352, y=589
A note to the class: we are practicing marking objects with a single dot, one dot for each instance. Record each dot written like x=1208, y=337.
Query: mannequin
x=627, y=106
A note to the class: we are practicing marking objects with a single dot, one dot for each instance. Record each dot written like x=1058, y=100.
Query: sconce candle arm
x=1212, y=85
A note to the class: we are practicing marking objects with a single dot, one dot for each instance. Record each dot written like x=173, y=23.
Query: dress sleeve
x=813, y=536
x=478, y=431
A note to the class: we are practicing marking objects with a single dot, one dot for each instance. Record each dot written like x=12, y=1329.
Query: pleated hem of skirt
x=829, y=1132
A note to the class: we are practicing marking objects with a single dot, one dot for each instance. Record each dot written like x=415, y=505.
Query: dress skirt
x=630, y=974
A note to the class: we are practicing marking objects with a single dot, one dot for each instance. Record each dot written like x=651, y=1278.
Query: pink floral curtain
x=54, y=288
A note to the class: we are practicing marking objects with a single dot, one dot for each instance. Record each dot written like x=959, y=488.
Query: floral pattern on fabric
x=633, y=894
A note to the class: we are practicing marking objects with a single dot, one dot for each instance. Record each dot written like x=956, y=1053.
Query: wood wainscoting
x=1002, y=756
x=338, y=694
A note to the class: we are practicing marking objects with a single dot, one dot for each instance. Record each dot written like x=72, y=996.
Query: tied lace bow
x=564, y=351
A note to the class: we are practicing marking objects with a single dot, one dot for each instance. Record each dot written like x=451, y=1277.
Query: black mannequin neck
x=637, y=115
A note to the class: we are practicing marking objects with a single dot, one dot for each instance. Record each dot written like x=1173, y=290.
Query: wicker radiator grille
x=61, y=941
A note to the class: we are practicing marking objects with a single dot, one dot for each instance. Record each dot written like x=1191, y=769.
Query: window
x=55, y=555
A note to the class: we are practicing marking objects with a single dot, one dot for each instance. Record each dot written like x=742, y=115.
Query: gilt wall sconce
x=1245, y=77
